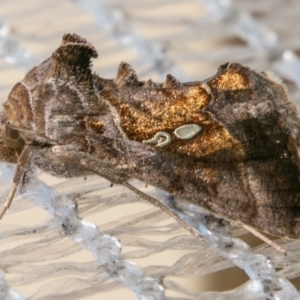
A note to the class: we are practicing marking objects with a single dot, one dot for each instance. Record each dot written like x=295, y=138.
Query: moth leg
x=23, y=167
x=265, y=239
x=9, y=199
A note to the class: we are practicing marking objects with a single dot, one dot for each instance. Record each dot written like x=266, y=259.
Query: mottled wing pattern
x=229, y=143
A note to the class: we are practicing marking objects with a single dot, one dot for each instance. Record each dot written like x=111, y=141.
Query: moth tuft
x=171, y=82
x=126, y=76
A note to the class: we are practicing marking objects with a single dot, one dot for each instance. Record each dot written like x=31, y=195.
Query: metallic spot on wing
x=161, y=139
x=188, y=131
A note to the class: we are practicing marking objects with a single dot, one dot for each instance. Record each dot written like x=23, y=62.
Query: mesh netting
x=88, y=239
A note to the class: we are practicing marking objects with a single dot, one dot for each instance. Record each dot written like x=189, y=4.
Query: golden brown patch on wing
x=164, y=109
x=160, y=110
x=212, y=140
x=231, y=80
x=94, y=124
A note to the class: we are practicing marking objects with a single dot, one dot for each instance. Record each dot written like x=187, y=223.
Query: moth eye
x=12, y=138
x=13, y=134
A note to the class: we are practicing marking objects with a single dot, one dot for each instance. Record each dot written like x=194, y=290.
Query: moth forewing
x=228, y=144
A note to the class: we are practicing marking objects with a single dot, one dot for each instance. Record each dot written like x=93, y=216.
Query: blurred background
x=189, y=39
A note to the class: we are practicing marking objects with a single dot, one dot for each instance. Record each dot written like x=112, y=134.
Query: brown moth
x=229, y=144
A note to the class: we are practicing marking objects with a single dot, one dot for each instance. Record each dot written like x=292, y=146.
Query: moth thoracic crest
x=229, y=143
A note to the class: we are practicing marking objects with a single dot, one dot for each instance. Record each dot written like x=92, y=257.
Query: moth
x=229, y=144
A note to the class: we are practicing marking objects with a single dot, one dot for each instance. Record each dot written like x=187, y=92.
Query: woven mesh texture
x=82, y=239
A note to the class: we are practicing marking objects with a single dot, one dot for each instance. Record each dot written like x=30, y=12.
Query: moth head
x=16, y=114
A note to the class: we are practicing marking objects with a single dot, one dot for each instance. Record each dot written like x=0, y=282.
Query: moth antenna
x=265, y=239
x=158, y=204
x=171, y=82
x=125, y=75
x=9, y=199
x=192, y=230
